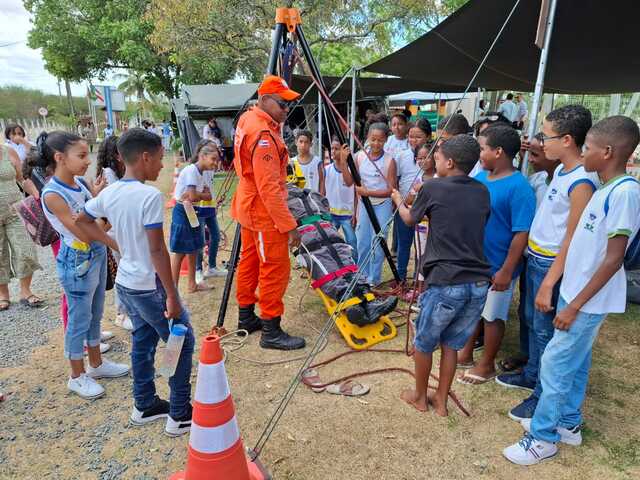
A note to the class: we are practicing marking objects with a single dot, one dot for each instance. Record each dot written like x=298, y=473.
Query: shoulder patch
x=264, y=143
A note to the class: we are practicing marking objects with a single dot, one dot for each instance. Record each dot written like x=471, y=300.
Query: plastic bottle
x=172, y=351
x=191, y=214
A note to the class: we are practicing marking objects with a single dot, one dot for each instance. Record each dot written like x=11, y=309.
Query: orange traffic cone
x=176, y=173
x=215, y=449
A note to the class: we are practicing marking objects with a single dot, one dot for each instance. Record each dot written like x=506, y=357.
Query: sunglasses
x=283, y=104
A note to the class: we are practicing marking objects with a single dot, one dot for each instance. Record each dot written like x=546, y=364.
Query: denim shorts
x=449, y=314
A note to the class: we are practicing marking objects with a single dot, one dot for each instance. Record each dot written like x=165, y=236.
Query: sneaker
x=178, y=426
x=570, y=436
x=530, y=451
x=160, y=409
x=199, y=276
x=108, y=370
x=123, y=321
x=415, y=308
x=104, y=348
x=215, y=272
x=524, y=410
x=106, y=335
x=515, y=380
x=85, y=386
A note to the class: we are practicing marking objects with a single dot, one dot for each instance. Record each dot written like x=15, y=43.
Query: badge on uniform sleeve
x=263, y=143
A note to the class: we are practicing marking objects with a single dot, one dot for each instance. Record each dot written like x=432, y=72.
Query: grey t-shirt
x=458, y=208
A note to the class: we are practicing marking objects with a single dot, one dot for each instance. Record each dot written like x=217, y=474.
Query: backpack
x=632, y=255
x=38, y=227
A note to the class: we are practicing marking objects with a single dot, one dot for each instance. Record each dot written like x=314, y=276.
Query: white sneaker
x=85, y=386
x=571, y=437
x=529, y=451
x=108, y=370
x=215, y=272
x=104, y=348
x=106, y=335
x=123, y=321
x=199, y=276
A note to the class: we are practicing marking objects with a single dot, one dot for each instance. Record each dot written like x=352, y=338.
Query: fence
x=32, y=126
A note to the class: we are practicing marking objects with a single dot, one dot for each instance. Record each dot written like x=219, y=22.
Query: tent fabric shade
x=593, y=48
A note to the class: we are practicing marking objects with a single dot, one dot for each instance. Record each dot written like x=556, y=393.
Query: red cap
x=277, y=86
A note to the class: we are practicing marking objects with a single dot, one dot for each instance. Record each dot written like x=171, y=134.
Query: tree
x=234, y=37
x=81, y=39
x=134, y=84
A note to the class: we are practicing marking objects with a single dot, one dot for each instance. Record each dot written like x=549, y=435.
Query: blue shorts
x=449, y=314
x=183, y=237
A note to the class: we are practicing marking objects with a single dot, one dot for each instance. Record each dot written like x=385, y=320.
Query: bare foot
x=411, y=397
x=438, y=406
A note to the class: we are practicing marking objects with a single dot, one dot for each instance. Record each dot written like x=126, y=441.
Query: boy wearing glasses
x=593, y=286
x=563, y=134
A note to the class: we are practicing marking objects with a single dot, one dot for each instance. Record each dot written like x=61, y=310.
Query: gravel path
x=23, y=328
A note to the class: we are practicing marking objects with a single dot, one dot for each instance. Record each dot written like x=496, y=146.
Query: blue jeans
x=404, y=234
x=540, y=324
x=372, y=272
x=449, y=315
x=211, y=222
x=524, y=329
x=83, y=276
x=146, y=309
x=564, y=374
x=344, y=223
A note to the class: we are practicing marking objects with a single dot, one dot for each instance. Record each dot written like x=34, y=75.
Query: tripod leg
x=231, y=270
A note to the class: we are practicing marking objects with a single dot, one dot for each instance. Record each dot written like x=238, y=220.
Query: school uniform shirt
x=19, y=148
x=395, y=145
x=206, y=206
x=373, y=172
x=588, y=246
x=408, y=171
x=132, y=208
x=477, y=168
x=190, y=176
x=550, y=223
x=311, y=172
x=513, y=205
x=339, y=195
x=538, y=182
x=455, y=252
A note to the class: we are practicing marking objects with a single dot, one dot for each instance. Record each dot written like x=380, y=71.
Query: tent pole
x=320, y=125
x=477, y=106
x=352, y=119
x=542, y=67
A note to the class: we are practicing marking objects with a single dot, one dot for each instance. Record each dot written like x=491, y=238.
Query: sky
x=19, y=64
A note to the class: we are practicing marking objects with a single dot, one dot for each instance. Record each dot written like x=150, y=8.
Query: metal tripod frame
x=288, y=22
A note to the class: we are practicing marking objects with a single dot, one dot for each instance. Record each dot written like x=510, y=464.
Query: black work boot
x=248, y=320
x=277, y=339
x=358, y=316
x=379, y=307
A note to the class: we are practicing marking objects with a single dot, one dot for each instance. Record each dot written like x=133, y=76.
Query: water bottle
x=172, y=350
x=191, y=214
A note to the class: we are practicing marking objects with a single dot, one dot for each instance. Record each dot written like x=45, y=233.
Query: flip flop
x=32, y=301
x=465, y=365
x=348, y=389
x=201, y=287
x=311, y=378
x=4, y=305
x=471, y=379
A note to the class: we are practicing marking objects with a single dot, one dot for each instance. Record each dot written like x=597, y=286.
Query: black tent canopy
x=594, y=48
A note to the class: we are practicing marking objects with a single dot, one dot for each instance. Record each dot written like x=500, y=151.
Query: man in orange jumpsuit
x=260, y=207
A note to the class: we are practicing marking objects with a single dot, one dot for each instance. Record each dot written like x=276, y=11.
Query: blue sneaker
x=515, y=380
x=524, y=410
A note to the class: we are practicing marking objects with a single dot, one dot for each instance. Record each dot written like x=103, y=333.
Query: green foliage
x=18, y=102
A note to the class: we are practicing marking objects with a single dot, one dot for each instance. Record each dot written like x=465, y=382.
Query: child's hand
x=565, y=318
x=362, y=191
x=174, y=309
x=396, y=197
x=354, y=221
x=501, y=281
x=344, y=152
x=98, y=185
x=543, y=299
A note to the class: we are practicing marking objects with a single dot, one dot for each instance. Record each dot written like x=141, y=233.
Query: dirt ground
x=45, y=432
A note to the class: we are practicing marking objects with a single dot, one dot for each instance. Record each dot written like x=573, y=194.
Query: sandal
x=4, y=305
x=32, y=301
x=348, y=389
x=200, y=287
x=512, y=363
x=471, y=379
x=311, y=378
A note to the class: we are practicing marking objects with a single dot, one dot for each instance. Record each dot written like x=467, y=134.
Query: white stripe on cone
x=212, y=385
x=214, y=439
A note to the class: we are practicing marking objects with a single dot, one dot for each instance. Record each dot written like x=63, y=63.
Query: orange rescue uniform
x=260, y=207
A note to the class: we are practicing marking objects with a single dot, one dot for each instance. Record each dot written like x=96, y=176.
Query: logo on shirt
x=589, y=226
x=552, y=194
x=263, y=143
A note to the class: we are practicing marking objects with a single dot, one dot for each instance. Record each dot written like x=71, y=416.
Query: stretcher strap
x=310, y=228
x=326, y=242
x=315, y=218
x=333, y=275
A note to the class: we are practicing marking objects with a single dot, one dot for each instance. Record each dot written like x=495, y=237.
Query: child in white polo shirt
x=594, y=284
x=144, y=283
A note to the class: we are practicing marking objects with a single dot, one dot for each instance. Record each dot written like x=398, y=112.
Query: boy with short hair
x=513, y=206
x=311, y=165
x=454, y=266
x=452, y=125
x=571, y=188
x=144, y=283
x=594, y=285
x=398, y=142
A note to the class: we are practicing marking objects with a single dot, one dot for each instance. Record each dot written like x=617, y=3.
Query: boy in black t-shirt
x=454, y=266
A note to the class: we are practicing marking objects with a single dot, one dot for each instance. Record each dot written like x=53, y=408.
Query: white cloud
x=19, y=64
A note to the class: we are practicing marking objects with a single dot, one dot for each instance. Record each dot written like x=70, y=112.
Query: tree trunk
x=72, y=110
